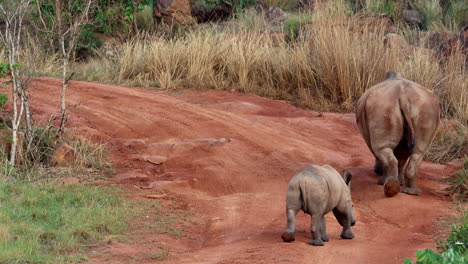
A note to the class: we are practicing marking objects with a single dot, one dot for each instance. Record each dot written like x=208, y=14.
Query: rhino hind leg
x=346, y=233
x=315, y=230
x=411, y=171
x=288, y=235
x=390, y=163
x=402, y=153
x=378, y=168
x=323, y=230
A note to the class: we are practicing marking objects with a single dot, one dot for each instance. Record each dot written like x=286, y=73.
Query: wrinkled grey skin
x=398, y=119
x=318, y=190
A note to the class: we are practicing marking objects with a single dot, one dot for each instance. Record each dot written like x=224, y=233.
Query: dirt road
x=229, y=157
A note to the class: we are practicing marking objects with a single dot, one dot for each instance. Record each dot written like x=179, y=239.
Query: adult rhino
x=398, y=120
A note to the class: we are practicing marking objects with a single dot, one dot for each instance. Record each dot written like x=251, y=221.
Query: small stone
x=156, y=196
x=158, y=160
x=129, y=175
x=412, y=17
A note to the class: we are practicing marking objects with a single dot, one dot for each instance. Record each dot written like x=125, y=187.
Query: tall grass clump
x=282, y=4
x=456, y=14
x=431, y=12
x=448, y=143
x=347, y=62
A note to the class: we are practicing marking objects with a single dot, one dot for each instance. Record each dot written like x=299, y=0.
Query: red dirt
x=228, y=157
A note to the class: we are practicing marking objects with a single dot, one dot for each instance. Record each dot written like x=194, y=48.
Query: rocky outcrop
x=173, y=11
x=445, y=43
x=412, y=17
x=275, y=15
x=217, y=13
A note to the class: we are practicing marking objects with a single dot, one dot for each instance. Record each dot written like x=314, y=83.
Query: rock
x=174, y=11
x=158, y=160
x=439, y=41
x=217, y=13
x=136, y=144
x=69, y=181
x=463, y=37
x=412, y=17
x=156, y=196
x=63, y=156
x=130, y=175
x=445, y=43
x=198, y=12
x=160, y=149
x=275, y=15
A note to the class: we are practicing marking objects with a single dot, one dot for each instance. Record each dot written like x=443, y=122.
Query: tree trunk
x=63, y=113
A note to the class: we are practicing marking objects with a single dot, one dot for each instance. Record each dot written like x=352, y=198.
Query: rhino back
x=318, y=189
x=379, y=112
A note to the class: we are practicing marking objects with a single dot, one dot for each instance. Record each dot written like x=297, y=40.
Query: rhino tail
x=405, y=109
x=303, y=196
x=391, y=75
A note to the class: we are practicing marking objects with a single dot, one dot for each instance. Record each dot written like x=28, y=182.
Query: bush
x=454, y=247
x=428, y=256
x=458, y=239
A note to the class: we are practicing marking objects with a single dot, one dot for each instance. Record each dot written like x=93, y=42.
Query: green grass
x=52, y=223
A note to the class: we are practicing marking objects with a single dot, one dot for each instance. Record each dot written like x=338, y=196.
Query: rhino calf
x=318, y=190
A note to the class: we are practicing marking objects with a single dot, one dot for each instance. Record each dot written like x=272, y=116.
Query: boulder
x=275, y=15
x=412, y=17
x=439, y=41
x=217, y=13
x=177, y=12
x=445, y=43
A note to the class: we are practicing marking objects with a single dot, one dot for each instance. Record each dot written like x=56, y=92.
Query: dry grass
x=448, y=143
x=458, y=181
x=86, y=160
x=326, y=68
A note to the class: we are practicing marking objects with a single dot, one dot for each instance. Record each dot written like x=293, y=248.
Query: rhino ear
x=347, y=176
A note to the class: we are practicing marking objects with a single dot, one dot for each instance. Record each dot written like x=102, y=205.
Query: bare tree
x=67, y=22
x=13, y=13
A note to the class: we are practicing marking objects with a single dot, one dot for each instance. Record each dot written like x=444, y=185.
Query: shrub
x=453, y=248
x=428, y=256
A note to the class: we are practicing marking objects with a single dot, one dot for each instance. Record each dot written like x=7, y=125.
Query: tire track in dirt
x=237, y=187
